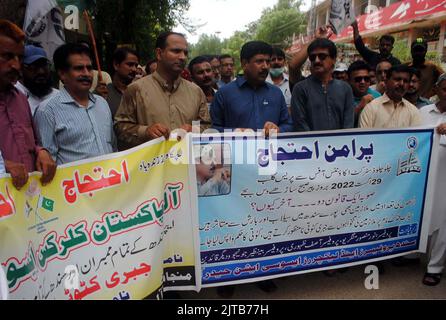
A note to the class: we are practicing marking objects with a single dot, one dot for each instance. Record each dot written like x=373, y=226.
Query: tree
x=278, y=24
x=136, y=22
x=207, y=45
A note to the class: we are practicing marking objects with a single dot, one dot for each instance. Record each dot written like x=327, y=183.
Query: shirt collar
x=67, y=98
x=285, y=79
x=241, y=82
x=163, y=83
x=386, y=99
x=13, y=91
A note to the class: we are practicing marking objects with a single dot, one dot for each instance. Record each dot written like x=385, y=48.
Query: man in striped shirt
x=75, y=124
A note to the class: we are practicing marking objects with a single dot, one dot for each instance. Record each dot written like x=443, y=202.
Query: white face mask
x=276, y=72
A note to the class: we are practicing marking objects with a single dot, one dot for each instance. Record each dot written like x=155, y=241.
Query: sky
x=223, y=17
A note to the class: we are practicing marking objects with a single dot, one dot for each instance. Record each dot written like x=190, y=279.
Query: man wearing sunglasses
x=392, y=110
x=75, y=124
x=321, y=102
x=36, y=82
x=359, y=79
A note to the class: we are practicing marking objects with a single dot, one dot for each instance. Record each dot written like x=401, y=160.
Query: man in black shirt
x=372, y=57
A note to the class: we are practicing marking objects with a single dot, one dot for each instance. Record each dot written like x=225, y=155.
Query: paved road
x=395, y=283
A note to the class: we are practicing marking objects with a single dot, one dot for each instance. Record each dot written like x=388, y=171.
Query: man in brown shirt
x=163, y=101
x=429, y=71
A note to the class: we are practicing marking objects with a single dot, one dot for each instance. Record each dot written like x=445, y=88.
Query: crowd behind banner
x=44, y=125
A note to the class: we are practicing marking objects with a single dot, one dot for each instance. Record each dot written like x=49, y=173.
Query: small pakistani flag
x=46, y=204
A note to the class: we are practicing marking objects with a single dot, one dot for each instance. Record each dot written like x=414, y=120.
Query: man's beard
x=38, y=89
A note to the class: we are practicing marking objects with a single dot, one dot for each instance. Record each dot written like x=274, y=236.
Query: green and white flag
x=46, y=204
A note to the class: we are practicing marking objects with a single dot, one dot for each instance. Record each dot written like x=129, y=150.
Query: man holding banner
x=75, y=124
x=18, y=144
x=163, y=101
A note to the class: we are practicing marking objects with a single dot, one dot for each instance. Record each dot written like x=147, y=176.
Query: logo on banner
x=409, y=162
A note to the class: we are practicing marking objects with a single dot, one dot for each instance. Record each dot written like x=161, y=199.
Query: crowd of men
x=42, y=127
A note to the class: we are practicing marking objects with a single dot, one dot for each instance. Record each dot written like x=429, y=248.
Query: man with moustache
x=392, y=110
x=250, y=102
x=226, y=70
x=413, y=92
x=277, y=75
x=75, y=124
x=163, y=101
x=321, y=102
x=202, y=75
x=381, y=74
x=18, y=144
x=125, y=63
x=36, y=82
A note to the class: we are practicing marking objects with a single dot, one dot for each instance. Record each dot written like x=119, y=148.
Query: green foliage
x=136, y=22
x=207, y=44
x=401, y=50
x=278, y=24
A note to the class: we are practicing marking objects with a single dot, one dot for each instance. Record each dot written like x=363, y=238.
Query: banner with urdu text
x=242, y=209
x=310, y=202
x=116, y=227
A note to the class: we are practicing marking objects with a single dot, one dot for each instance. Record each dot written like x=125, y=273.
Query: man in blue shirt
x=75, y=124
x=250, y=102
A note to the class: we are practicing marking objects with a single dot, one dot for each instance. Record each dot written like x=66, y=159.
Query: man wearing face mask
x=36, y=83
x=429, y=71
x=277, y=75
x=75, y=124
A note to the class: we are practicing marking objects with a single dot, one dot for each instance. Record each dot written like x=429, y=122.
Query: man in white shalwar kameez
x=435, y=115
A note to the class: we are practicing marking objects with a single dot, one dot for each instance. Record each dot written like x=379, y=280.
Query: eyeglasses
x=359, y=79
x=321, y=56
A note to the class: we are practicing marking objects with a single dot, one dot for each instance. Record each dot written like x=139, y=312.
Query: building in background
x=405, y=20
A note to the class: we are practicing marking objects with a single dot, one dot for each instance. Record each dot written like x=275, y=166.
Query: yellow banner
x=116, y=227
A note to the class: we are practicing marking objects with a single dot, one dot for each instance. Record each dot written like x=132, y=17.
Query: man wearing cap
x=429, y=71
x=18, y=143
x=36, y=82
x=340, y=72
